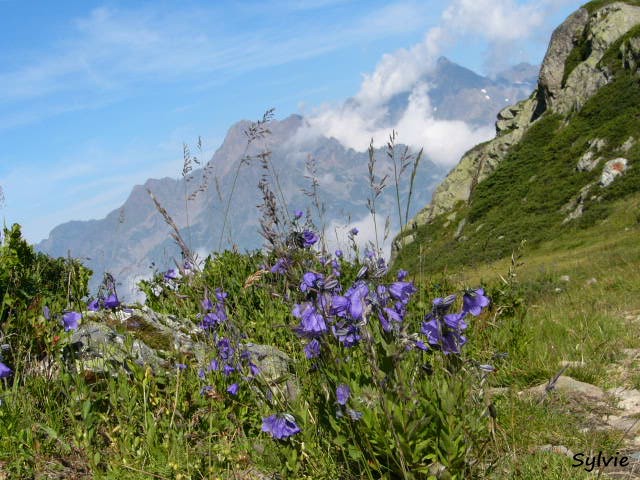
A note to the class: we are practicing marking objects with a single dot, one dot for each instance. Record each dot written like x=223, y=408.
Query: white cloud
x=496, y=23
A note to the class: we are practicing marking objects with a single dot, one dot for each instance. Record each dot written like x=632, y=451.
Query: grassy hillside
x=523, y=198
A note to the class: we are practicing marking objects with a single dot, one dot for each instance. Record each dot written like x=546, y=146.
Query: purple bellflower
x=280, y=426
x=71, y=321
x=312, y=323
x=474, y=301
x=111, y=301
x=342, y=393
x=309, y=238
x=5, y=371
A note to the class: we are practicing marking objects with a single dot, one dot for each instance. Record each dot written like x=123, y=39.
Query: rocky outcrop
x=604, y=27
x=566, y=82
x=612, y=169
x=109, y=343
x=563, y=41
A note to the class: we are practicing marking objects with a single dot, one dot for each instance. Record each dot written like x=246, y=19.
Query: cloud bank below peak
x=503, y=26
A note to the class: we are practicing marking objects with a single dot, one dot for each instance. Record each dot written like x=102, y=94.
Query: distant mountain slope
x=560, y=158
x=134, y=237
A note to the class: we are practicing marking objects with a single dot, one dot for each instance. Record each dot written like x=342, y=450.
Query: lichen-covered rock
x=630, y=53
x=604, y=27
x=273, y=364
x=589, y=159
x=96, y=349
x=612, y=169
x=162, y=332
x=576, y=205
x=563, y=40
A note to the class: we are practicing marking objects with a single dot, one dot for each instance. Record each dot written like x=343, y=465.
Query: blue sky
x=96, y=97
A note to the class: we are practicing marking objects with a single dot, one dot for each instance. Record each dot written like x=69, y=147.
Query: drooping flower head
x=311, y=280
x=5, y=371
x=233, y=389
x=312, y=323
x=111, y=301
x=402, y=274
x=71, y=321
x=312, y=349
x=280, y=426
x=93, y=305
x=402, y=291
x=353, y=232
x=171, y=274
x=298, y=214
x=281, y=266
x=309, y=238
x=342, y=393
x=474, y=301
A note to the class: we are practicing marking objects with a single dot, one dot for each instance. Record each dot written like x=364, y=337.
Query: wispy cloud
x=495, y=23
x=114, y=49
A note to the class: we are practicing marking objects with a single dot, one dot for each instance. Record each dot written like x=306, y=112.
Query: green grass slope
x=523, y=198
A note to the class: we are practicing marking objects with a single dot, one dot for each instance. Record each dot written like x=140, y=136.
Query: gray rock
x=96, y=349
x=588, y=161
x=273, y=364
x=626, y=146
x=604, y=27
x=460, y=228
x=563, y=40
x=575, y=206
x=558, y=449
x=612, y=169
x=569, y=386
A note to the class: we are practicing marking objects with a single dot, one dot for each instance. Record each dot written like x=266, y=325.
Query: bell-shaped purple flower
x=342, y=393
x=280, y=426
x=474, y=301
x=93, y=305
x=225, y=350
x=455, y=321
x=233, y=389
x=71, y=321
x=111, y=301
x=5, y=371
x=171, y=274
x=309, y=238
x=206, y=304
x=402, y=274
x=312, y=349
x=311, y=280
x=312, y=323
x=402, y=291
x=281, y=266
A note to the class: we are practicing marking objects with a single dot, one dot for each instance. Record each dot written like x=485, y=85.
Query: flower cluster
x=229, y=357
x=215, y=313
x=327, y=309
x=443, y=329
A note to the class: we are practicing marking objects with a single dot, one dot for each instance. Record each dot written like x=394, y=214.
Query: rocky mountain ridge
x=572, y=72
x=134, y=237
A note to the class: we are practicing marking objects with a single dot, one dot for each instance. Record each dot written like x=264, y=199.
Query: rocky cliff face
x=564, y=158
x=570, y=74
